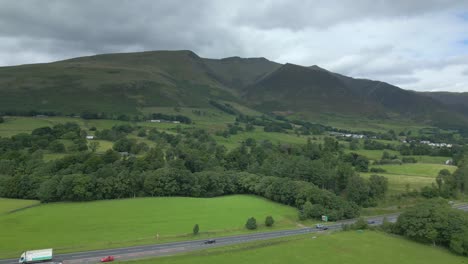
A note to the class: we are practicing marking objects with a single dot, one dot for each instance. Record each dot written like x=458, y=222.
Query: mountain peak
x=316, y=67
x=239, y=59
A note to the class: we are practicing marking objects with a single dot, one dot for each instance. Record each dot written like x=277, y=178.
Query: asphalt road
x=186, y=246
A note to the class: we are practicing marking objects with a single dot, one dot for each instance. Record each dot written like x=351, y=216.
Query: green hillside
x=111, y=83
x=456, y=101
x=126, y=83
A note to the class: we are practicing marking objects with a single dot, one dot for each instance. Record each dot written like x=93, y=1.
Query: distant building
x=176, y=122
x=338, y=134
x=436, y=145
x=449, y=162
x=155, y=121
x=89, y=137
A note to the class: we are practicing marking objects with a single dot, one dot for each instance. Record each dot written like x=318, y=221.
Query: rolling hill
x=128, y=82
x=456, y=101
x=111, y=83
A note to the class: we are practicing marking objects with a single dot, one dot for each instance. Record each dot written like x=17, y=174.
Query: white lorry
x=36, y=256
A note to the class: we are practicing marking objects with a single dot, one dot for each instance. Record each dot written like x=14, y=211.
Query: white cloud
x=449, y=78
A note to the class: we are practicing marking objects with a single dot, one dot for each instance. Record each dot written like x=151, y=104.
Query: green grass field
x=397, y=183
x=416, y=169
x=377, y=155
x=414, y=175
x=211, y=119
x=103, y=145
x=372, y=154
x=8, y=205
x=259, y=135
x=16, y=125
x=336, y=248
x=104, y=224
x=431, y=159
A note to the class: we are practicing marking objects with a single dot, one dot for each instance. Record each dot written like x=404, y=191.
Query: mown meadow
x=114, y=223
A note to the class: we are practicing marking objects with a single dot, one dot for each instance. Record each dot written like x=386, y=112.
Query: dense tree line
x=376, y=145
x=434, y=222
x=234, y=129
x=438, y=135
x=308, y=128
x=316, y=178
x=360, y=162
x=115, y=133
x=451, y=185
x=225, y=107
x=30, y=113
x=415, y=148
x=46, y=138
x=269, y=124
x=114, y=116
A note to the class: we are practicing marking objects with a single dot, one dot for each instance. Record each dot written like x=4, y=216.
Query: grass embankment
x=9, y=205
x=343, y=247
x=68, y=227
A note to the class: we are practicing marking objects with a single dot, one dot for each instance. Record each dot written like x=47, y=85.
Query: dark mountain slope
x=313, y=89
x=112, y=83
x=298, y=88
x=456, y=101
x=127, y=82
x=238, y=73
x=391, y=97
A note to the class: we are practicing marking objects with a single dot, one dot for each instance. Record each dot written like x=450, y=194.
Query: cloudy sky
x=417, y=44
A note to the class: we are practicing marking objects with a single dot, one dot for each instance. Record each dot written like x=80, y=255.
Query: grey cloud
x=323, y=14
x=111, y=26
x=38, y=31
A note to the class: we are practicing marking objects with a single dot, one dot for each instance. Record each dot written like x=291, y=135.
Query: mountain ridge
x=127, y=82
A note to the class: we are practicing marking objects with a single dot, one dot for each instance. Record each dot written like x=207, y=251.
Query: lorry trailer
x=39, y=255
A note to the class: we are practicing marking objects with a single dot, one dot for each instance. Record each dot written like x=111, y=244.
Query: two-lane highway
x=192, y=245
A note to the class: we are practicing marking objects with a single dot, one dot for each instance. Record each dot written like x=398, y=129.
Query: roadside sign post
x=324, y=218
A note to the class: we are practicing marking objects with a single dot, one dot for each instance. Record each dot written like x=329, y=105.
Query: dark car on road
x=371, y=222
x=321, y=227
x=210, y=241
